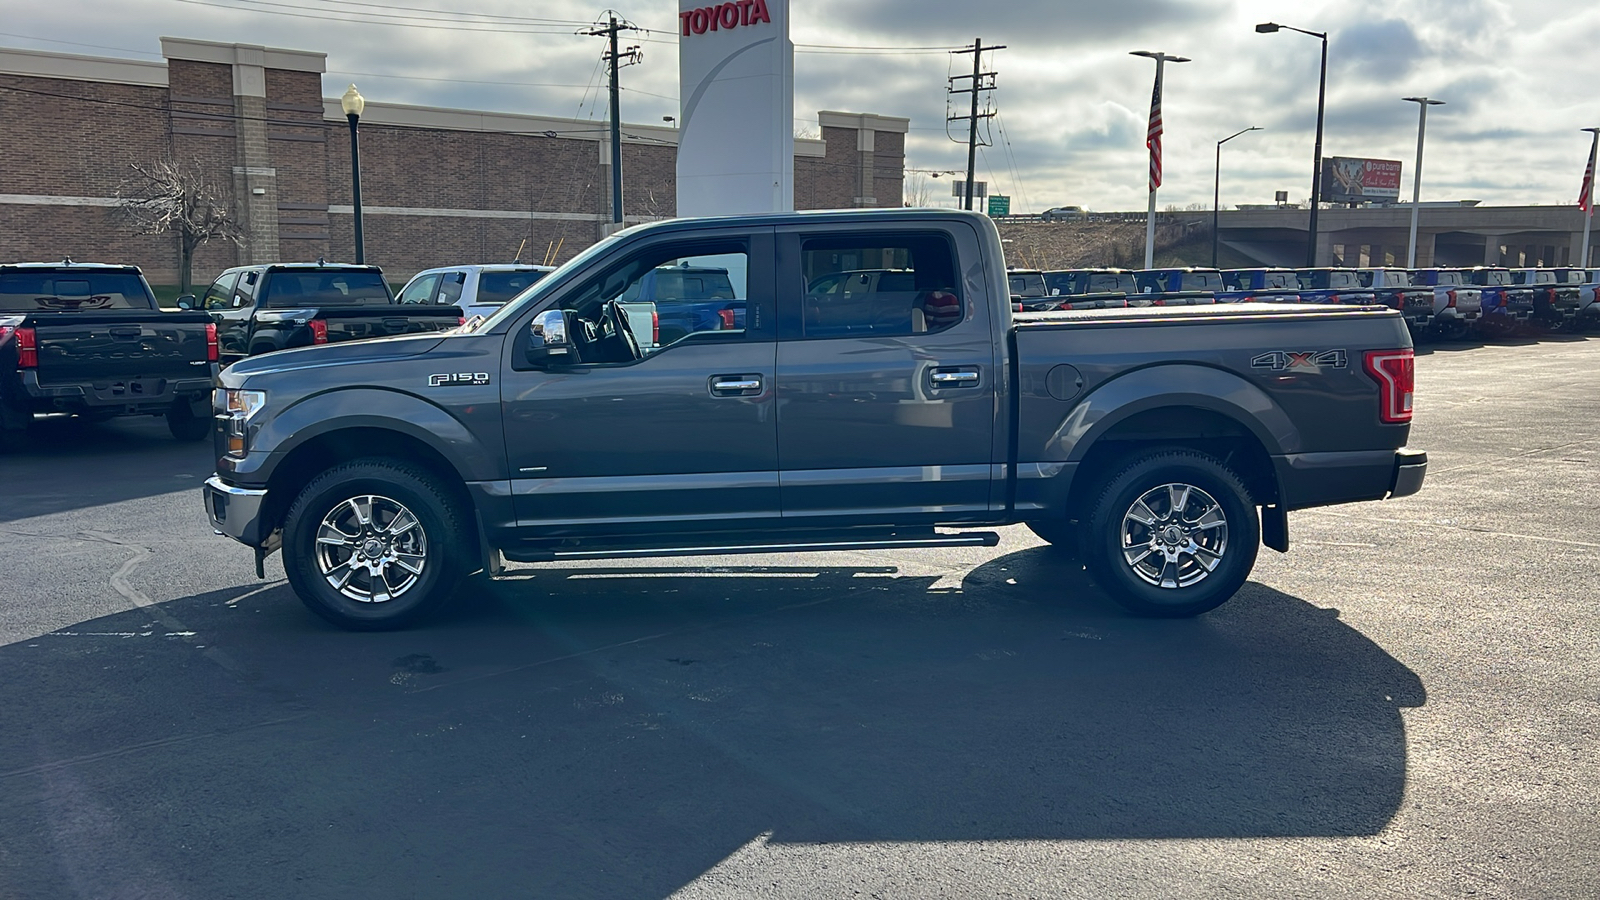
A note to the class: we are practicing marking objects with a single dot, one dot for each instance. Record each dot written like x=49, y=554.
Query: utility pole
x=981, y=81
x=632, y=55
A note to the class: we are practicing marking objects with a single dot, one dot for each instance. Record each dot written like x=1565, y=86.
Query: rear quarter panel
x=1237, y=361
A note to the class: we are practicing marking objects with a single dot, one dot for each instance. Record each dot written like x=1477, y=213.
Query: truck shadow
x=142, y=459
x=619, y=731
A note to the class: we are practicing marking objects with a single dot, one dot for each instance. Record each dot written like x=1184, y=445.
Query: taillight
x=211, y=342
x=1396, y=374
x=655, y=328
x=726, y=315
x=1336, y=299
x=1452, y=296
x=319, y=331
x=461, y=320
x=1017, y=307
x=27, y=349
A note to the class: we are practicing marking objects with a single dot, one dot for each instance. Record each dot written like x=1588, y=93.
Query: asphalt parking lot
x=1407, y=704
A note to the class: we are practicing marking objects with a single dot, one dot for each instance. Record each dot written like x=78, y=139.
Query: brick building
x=439, y=186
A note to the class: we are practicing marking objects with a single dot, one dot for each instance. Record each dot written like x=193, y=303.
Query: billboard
x=1349, y=180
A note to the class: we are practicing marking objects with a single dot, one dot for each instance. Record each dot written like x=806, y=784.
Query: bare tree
x=171, y=197
x=917, y=190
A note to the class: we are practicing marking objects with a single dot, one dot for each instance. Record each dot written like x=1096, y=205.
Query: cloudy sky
x=1519, y=79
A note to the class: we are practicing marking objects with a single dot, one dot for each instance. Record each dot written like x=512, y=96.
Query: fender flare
x=1180, y=384
x=342, y=409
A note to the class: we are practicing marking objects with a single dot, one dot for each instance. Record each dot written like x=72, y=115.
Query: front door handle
x=735, y=385
x=955, y=377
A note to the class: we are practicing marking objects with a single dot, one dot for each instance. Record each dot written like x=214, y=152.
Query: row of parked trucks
x=1449, y=304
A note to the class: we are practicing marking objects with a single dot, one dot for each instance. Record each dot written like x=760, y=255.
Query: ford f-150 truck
x=1163, y=445
x=89, y=340
x=260, y=309
x=1505, y=304
x=1395, y=288
x=1555, y=303
x=1090, y=288
x=1457, y=304
x=1260, y=286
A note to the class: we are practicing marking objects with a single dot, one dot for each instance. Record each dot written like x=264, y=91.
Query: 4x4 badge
x=458, y=378
x=1281, y=360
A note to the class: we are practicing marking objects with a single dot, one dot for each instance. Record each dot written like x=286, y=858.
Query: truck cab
x=1264, y=285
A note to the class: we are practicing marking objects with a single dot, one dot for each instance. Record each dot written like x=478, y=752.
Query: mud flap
x=1275, y=528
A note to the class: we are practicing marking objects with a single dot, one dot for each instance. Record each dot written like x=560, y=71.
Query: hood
x=330, y=355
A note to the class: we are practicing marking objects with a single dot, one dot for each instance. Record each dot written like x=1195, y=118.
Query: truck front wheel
x=1173, y=534
x=373, y=545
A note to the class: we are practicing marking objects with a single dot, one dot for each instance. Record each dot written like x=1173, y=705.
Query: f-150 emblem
x=458, y=378
x=1282, y=360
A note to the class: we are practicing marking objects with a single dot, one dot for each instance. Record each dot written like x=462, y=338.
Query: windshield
x=36, y=291
x=498, y=287
x=291, y=288
x=532, y=294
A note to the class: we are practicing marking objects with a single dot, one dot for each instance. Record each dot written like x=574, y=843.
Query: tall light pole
x=354, y=104
x=1316, y=153
x=1416, y=175
x=1216, y=192
x=1153, y=141
x=1588, y=189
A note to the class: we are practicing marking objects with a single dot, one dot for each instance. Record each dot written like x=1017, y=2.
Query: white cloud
x=1518, y=77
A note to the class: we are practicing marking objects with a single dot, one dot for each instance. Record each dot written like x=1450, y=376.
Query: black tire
x=1060, y=534
x=336, y=496
x=1214, y=493
x=185, y=425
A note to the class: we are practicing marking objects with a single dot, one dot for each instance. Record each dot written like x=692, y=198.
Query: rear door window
x=879, y=285
x=499, y=287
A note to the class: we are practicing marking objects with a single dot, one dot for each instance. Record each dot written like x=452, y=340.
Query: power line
x=980, y=81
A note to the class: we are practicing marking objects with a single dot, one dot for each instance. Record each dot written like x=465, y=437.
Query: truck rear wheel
x=373, y=545
x=1173, y=534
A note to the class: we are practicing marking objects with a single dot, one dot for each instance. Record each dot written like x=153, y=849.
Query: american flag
x=1586, y=193
x=1152, y=138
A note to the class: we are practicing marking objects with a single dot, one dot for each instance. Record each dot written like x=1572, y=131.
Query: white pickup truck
x=478, y=290
x=1457, y=303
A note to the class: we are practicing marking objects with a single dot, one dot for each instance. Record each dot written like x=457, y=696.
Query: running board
x=965, y=539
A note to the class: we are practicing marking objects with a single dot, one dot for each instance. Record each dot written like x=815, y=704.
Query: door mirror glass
x=186, y=302
x=550, y=339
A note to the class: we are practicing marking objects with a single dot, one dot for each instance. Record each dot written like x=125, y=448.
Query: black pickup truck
x=88, y=339
x=1162, y=445
x=259, y=309
x=1090, y=288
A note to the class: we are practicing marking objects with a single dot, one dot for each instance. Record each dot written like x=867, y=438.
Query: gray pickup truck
x=1161, y=445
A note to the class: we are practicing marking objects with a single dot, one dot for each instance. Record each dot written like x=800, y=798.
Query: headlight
x=237, y=407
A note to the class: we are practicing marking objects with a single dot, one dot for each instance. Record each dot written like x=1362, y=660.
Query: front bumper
x=234, y=511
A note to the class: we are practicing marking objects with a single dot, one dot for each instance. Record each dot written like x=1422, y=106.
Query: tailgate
x=115, y=344
x=356, y=323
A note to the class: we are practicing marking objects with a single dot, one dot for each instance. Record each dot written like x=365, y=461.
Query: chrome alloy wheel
x=1174, y=536
x=371, y=548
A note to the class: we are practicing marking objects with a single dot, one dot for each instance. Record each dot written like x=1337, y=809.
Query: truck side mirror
x=550, y=339
x=186, y=302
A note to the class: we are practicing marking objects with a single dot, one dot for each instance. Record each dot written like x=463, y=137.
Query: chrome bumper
x=233, y=511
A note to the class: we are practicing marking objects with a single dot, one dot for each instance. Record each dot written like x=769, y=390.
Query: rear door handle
x=955, y=377
x=735, y=385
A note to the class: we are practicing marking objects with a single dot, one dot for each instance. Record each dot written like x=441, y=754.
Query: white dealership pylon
x=736, y=108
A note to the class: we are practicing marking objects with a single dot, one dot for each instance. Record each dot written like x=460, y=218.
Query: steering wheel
x=617, y=342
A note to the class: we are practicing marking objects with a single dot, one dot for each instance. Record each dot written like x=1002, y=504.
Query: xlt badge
x=458, y=378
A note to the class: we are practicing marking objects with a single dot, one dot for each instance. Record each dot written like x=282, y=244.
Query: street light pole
x=1216, y=192
x=1316, y=152
x=1155, y=112
x=1588, y=216
x=354, y=104
x=1416, y=176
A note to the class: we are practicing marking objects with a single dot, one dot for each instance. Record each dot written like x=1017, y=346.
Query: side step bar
x=886, y=542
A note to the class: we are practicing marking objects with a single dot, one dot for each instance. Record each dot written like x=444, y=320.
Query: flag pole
x=1152, y=140
x=1587, y=200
